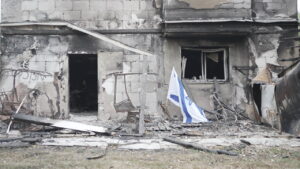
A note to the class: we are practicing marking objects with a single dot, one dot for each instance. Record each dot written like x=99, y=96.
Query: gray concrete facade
x=249, y=30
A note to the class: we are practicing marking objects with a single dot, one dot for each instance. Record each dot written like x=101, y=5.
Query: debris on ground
x=197, y=147
x=60, y=123
x=231, y=135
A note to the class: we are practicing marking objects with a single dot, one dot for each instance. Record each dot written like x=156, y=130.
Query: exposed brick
x=123, y=15
x=127, y=24
x=241, y=5
x=133, y=79
x=55, y=15
x=81, y=5
x=151, y=86
x=108, y=15
x=63, y=5
x=82, y=24
x=242, y=1
x=151, y=78
x=98, y=5
x=92, y=25
x=134, y=85
x=279, y=1
x=135, y=67
x=135, y=98
x=275, y=6
x=102, y=24
x=51, y=67
x=35, y=15
x=29, y=5
x=151, y=102
x=142, y=15
x=126, y=67
x=132, y=58
x=71, y=15
x=89, y=15
x=150, y=14
x=226, y=5
x=146, y=5
x=25, y=15
x=115, y=5
x=114, y=24
x=131, y=5
x=121, y=85
x=46, y=5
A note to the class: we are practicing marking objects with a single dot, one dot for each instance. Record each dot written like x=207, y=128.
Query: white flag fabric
x=191, y=112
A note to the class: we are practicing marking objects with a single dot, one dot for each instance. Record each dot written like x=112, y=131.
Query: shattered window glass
x=204, y=64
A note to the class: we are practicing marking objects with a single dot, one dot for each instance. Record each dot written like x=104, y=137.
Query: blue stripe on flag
x=188, y=116
x=175, y=98
x=201, y=110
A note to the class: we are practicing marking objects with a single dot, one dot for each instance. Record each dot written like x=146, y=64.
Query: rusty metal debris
x=12, y=117
x=125, y=105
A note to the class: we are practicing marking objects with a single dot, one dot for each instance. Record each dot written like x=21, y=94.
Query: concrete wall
x=266, y=50
x=257, y=50
x=49, y=53
x=233, y=91
x=287, y=98
x=51, y=56
x=274, y=9
x=207, y=10
x=93, y=14
x=230, y=9
x=52, y=51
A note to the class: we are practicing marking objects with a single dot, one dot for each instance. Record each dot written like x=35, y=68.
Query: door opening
x=256, y=89
x=83, y=83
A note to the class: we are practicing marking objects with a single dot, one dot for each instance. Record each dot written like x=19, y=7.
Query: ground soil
x=44, y=157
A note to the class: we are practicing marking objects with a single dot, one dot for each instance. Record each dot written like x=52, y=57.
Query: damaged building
x=113, y=58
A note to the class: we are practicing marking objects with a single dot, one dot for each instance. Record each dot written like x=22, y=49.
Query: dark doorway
x=256, y=89
x=83, y=83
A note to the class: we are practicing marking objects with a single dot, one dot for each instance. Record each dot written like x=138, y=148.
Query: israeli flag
x=191, y=112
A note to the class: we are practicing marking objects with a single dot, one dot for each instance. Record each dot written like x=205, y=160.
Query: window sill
x=188, y=81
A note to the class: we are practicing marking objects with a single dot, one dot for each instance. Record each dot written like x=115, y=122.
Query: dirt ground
x=44, y=157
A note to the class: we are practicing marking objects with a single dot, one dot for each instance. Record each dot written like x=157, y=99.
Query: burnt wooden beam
x=197, y=147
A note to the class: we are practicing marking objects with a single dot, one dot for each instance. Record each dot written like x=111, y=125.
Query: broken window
x=204, y=64
x=83, y=83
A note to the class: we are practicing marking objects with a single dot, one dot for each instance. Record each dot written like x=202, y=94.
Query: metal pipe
x=74, y=27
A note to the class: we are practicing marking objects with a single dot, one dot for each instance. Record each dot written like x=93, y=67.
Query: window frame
x=203, y=50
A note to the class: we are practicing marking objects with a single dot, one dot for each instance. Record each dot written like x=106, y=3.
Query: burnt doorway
x=83, y=83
